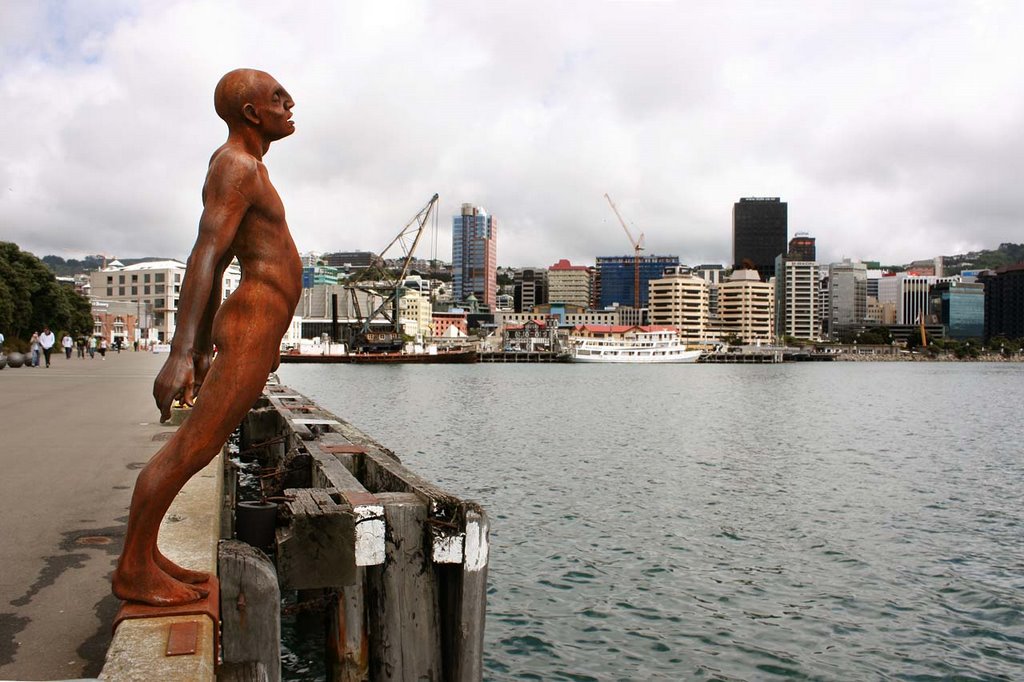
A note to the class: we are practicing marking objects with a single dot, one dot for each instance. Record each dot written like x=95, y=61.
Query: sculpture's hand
x=175, y=381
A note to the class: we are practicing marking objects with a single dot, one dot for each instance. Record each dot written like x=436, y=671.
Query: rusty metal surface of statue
x=242, y=217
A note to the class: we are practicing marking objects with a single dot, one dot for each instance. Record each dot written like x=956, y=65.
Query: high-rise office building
x=960, y=307
x=475, y=255
x=616, y=276
x=530, y=288
x=760, y=228
x=847, y=296
x=796, y=298
x=801, y=247
x=910, y=296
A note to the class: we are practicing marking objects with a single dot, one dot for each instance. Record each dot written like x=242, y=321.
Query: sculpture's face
x=274, y=106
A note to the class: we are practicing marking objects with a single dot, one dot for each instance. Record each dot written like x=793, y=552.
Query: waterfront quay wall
x=337, y=524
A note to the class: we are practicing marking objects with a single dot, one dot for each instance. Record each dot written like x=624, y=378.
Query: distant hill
x=1006, y=254
x=72, y=266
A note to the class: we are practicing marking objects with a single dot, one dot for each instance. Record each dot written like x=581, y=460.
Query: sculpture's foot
x=177, y=572
x=154, y=587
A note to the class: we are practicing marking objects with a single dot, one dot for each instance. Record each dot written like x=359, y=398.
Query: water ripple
x=828, y=522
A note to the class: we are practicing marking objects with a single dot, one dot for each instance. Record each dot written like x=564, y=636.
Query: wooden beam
x=316, y=547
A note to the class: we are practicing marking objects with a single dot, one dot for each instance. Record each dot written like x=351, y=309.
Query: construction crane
x=386, y=290
x=638, y=246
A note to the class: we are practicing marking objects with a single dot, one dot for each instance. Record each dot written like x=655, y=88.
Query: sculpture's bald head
x=248, y=99
x=236, y=89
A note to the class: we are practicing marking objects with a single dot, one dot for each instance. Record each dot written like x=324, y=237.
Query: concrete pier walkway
x=72, y=438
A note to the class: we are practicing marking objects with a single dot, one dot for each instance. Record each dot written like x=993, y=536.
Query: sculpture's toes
x=153, y=587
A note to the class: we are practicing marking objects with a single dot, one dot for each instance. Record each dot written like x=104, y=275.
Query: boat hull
x=621, y=359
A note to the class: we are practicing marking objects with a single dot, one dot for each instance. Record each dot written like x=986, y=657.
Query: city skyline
x=888, y=129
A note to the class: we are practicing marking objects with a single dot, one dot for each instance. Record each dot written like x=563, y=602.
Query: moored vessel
x=630, y=345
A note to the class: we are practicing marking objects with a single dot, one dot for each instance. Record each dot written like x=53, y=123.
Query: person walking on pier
x=46, y=340
x=35, y=347
x=80, y=345
x=103, y=348
x=243, y=217
x=92, y=347
x=67, y=343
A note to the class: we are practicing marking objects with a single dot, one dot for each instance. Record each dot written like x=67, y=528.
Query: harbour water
x=833, y=521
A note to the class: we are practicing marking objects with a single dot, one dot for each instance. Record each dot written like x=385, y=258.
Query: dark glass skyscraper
x=616, y=273
x=760, y=229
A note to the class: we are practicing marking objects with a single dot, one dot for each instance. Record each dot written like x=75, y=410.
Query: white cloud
x=892, y=130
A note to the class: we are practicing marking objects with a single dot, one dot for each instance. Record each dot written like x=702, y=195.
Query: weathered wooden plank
x=445, y=511
x=250, y=608
x=316, y=547
x=260, y=425
x=402, y=615
x=328, y=472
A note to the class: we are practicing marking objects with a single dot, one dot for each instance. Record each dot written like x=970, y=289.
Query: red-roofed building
x=569, y=284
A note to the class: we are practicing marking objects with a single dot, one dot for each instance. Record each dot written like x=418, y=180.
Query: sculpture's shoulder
x=234, y=166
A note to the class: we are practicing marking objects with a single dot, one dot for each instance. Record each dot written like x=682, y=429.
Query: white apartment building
x=746, y=307
x=796, y=299
x=569, y=284
x=680, y=299
x=415, y=314
x=154, y=288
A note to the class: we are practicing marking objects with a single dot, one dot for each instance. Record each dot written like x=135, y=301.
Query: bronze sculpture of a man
x=242, y=217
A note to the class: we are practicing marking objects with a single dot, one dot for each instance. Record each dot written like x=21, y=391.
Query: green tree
x=31, y=297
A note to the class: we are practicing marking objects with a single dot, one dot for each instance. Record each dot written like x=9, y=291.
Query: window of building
x=110, y=291
x=110, y=279
x=135, y=278
x=120, y=291
x=158, y=277
x=158, y=289
x=145, y=278
x=120, y=279
x=145, y=290
x=135, y=291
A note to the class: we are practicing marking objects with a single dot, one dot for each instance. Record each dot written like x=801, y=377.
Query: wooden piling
x=404, y=628
x=250, y=610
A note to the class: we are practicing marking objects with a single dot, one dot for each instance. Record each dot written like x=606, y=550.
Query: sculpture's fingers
x=165, y=408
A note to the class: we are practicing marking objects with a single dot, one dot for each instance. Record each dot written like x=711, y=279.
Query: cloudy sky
x=894, y=130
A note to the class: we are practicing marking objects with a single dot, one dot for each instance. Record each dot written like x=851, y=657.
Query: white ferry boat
x=629, y=345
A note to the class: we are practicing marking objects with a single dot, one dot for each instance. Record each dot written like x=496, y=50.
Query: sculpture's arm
x=227, y=199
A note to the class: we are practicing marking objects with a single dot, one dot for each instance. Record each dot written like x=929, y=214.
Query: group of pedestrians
x=41, y=346
x=42, y=343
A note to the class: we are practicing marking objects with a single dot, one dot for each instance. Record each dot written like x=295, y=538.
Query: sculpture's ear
x=250, y=114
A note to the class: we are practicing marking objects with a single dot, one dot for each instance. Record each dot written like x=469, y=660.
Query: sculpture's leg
x=233, y=384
